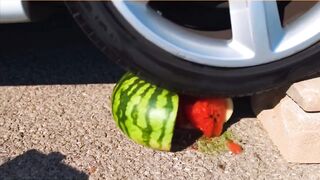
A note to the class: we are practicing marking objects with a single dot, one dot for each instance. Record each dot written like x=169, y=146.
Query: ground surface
x=55, y=120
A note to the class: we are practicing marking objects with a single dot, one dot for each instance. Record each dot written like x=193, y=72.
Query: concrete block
x=295, y=132
x=306, y=94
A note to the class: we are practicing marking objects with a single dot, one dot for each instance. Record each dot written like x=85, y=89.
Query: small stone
x=92, y=169
x=222, y=167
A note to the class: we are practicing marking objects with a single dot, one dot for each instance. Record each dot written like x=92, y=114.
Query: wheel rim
x=258, y=36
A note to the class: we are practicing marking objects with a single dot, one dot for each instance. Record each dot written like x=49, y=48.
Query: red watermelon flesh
x=208, y=115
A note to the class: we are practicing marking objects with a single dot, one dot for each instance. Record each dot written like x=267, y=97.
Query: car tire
x=120, y=42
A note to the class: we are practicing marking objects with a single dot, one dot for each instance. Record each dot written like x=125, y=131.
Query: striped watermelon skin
x=145, y=112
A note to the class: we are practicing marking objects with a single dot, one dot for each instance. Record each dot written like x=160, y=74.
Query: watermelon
x=206, y=114
x=144, y=112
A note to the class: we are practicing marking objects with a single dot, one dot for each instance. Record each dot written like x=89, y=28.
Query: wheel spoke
x=255, y=25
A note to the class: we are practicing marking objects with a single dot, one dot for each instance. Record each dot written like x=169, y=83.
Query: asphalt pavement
x=55, y=119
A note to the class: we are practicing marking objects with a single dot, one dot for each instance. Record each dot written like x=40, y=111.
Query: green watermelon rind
x=144, y=112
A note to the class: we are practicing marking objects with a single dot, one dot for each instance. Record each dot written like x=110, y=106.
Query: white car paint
x=14, y=11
